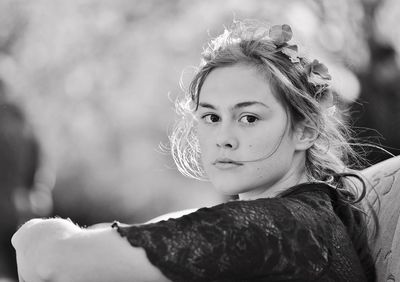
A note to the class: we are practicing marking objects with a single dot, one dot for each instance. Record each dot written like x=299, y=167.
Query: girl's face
x=246, y=144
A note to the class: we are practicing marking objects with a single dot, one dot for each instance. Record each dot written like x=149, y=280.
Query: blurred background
x=86, y=91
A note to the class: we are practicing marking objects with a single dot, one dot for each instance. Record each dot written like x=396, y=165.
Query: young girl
x=260, y=123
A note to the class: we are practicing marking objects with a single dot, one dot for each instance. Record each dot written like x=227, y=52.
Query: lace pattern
x=293, y=238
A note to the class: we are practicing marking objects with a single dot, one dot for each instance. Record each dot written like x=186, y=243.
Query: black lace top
x=297, y=237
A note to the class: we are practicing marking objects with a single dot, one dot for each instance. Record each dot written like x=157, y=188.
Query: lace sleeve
x=235, y=241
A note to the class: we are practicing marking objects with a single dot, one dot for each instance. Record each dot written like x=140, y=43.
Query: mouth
x=226, y=163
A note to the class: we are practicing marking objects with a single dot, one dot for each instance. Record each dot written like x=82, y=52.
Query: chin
x=229, y=189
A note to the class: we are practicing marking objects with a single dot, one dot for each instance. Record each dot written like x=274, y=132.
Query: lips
x=225, y=163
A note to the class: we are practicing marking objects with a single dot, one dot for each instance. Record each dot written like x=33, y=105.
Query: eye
x=211, y=118
x=248, y=119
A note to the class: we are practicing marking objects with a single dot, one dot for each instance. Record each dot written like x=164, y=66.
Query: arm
x=58, y=250
x=166, y=216
x=237, y=240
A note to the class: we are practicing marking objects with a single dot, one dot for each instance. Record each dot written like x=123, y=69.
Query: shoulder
x=176, y=214
x=312, y=195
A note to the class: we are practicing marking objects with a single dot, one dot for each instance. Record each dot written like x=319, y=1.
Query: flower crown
x=316, y=72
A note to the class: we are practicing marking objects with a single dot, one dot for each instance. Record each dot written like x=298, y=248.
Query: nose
x=227, y=140
x=228, y=144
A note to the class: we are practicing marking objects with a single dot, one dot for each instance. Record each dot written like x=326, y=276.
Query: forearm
x=102, y=255
x=58, y=250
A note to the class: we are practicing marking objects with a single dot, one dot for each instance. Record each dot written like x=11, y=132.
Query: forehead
x=235, y=84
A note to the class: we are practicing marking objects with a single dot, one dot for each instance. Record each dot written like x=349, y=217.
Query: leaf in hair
x=292, y=52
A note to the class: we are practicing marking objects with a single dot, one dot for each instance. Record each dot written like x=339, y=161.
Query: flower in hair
x=317, y=73
x=319, y=69
x=280, y=34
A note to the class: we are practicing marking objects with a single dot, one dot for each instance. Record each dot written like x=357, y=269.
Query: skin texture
x=229, y=129
x=240, y=119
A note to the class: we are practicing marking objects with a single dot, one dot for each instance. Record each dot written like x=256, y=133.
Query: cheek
x=256, y=146
x=278, y=153
x=265, y=139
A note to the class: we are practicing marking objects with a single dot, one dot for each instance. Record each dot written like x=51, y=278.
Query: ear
x=304, y=136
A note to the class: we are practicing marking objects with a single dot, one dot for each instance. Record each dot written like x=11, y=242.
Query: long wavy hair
x=331, y=159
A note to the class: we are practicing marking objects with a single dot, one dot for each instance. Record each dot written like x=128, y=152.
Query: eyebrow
x=237, y=106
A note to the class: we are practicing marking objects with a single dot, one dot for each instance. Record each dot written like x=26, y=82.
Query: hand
x=34, y=244
x=26, y=241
